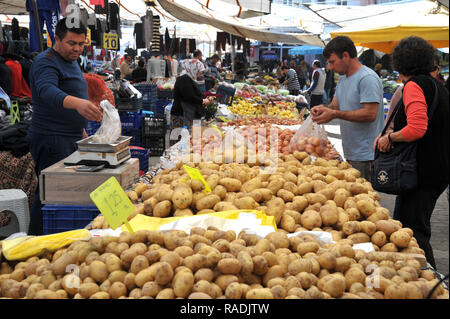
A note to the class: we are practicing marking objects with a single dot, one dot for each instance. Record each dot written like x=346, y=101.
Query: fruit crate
x=127, y=104
x=155, y=144
x=143, y=155
x=226, y=94
x=131, y=120
x=154, y=126
x=62, y=218
x=149, y=106
x=92, y=127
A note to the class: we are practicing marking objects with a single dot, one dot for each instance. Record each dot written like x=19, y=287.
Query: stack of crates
x=149, y=95
x=154, y=134
x=132, y=126
x=226, y=94
x=165, y=97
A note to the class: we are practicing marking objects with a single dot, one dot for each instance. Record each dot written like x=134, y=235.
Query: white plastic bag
x=311, y=138
x=111, y=128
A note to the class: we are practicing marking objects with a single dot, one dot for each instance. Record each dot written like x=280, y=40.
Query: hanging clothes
x=192, y=45
x=221, y=41
x=114, y=18
x=19, y=86
x=183, y=47
x=167, y=41
x=147, y=21
x=156, y=37
x=49, y=11
x=2, y=37
x=138, y=35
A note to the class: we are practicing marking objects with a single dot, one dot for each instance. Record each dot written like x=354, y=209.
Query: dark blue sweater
x=52, y=79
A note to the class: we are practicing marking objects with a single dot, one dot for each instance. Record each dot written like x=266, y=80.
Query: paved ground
x=439, y=220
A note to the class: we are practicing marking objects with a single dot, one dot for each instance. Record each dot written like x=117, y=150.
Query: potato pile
x=211, y=263
x=324, y=195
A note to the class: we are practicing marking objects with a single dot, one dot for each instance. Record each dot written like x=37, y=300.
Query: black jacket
x=433, y=147
x=187, y=90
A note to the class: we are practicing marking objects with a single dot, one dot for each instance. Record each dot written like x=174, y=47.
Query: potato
x=98, y=271
x=151, y=289
x=266, y=194
x=333, y=284
x=314, y=198
x=183, y=283
x=358, y=238
x=45, y=294
x=231, y=184
x=100, y=295
x=207, y=202
x=275, y=185
x=229, y=266
x=182, y=196
x=224, y=206
x=389, y=247
x=245, y=202
x=251, y=185
x=400, y=238
x=162, y=209
x=311, y=219
x=220, y=191
x=275, y=207
x=307, y=247
x=379, y=238
x=234, y=291
x=366, y=207
x=387, y=226
x=329, y=215
x=300, y=203
x=145, y=275
x=286, y=195
x=340, y=196
x=354, y=275
x=117, y=290
x=199, y=295
x=259, y=293
x=183, y=212
x=260, y=265
x=368, y=227
x=60, y=265
x=163, y=273
x=133, y=196
x=288, y=223
x=351, y=227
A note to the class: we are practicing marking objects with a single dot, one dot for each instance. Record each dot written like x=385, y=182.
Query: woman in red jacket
x=413, y=59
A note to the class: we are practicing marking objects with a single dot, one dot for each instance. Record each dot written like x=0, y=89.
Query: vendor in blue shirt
x=358, y=104
x=61, y=106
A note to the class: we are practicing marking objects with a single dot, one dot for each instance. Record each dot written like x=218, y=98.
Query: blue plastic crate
x=143, y=155
x=62, y=218
x=154, y=125
x=131, y=120
x=165, y=94
x=136, y=136
x=388, y=96
x=149, y=106
x=149, y=91
x=92, y=127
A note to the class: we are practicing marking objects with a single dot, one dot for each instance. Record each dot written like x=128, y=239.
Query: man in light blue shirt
x=358, y=103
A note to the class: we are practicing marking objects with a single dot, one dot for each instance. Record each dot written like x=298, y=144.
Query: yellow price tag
x=223, y=119
x=217, y=129
x=110, y=41
x=113, y=203
x=195, y=174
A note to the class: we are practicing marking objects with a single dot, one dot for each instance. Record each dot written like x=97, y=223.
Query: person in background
x=125, y=69
x=197, y=66
x=377, y=69
x=188, y=98
x=358, y=103
x=330, y=85
x=436, y=73
x=302, y=73
x=140, y=73
x=413, y=59
x=291, y=80
x=61, y=106
x=210, y=80
x=317, y=88
x=293, y=65
x=239, y=69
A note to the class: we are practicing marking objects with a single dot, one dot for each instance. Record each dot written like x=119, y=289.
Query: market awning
x=13, y=7
x=197, y=13
x=384, y=35
x=306, y=49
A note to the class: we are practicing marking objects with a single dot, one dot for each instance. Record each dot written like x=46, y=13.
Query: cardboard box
x=65, y=186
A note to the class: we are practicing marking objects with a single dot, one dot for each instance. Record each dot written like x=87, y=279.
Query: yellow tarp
x=385, y=35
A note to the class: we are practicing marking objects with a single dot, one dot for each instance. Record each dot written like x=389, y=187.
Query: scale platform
x=95, y=154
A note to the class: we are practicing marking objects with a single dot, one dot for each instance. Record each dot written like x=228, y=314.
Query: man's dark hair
x=197, y=53
x=284, y=67
x=126, y=55
x=215, y=56
x=317, y=63
x=141, y=63
x=62, y=28
x=413, y=56
x=338, y=46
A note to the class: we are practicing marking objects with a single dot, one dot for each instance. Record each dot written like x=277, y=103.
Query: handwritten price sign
x=113, y=203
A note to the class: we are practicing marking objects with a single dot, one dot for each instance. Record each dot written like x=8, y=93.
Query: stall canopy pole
x=37, y=26
x=233, y=53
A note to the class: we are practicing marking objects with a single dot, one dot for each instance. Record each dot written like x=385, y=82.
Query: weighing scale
x=95, y=156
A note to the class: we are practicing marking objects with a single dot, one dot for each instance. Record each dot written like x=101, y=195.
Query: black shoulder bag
x=395, y=172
